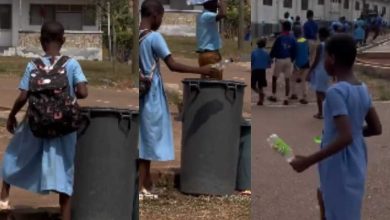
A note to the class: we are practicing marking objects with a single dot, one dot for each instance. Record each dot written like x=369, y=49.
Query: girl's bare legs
x=65, y=206
x=5, y=191
x=321, y=204
x=145, y=181
x=261, y=96
x=320, y=99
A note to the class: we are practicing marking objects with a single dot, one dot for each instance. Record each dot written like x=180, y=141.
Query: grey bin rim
x=214, y=82
x=246, y=122
x=108, y=110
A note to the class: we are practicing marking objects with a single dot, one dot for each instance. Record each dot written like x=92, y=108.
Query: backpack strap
x=38, y=63
x=142, y=37
x=60, y=63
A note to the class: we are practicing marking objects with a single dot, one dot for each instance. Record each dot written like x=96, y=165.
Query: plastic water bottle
x=281, y=147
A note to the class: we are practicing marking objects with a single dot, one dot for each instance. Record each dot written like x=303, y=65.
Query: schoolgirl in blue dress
x=349, y=118
x=42, y=165
x=156, y=138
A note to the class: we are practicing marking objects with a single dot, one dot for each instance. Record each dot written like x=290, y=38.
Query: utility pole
x=109, y=29
x=241, y=25
x=134, y=53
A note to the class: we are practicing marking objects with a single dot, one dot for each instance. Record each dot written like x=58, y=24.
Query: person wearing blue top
x=283, y=51
x=310, y=32
x=349, y=117
x=207, y=34
x=260, y=62
x=359, y=32
x=156, y=137
x=301, y=67
x=318, y=77
x=42, y=165
x=377, y=26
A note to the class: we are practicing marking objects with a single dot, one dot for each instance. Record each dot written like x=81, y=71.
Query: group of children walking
x=345, y=105
x=295, y=55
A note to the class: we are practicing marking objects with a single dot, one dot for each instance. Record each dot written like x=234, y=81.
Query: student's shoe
x=303, y=101
x=259, y=103
x=148, y=195
x=285, y=102
x=4, y=205
x=272, y=99
x=318, y=116
x=246, y=193
x=294, y=97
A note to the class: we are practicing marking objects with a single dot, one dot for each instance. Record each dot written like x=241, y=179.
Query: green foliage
x=231, y=22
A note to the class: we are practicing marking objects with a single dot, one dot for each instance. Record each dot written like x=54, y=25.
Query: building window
x=357, y=6
x=321, y=2
x=384, y=10
x=346, y=4
x=73, y=17
x=305, y=4
x=336, y=1
x=287, y=3
x=6, y=17
x=376, y=8
x=165, y=2
x=267, y=2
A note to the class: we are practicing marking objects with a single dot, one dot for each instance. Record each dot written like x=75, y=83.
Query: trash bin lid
x=107, y=110
x=246, y=122
x=214, y=82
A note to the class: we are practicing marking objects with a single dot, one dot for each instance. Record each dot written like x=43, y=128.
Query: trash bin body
x=210, y=136
x=244, y=158
x=106, y=165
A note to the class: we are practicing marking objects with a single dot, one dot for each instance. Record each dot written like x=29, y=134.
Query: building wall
x=265, y=18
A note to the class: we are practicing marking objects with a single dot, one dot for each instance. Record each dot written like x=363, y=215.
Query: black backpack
x=52, y=112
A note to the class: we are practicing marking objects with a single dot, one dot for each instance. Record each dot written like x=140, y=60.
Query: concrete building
x=266, y=14
x=179, y=18
x=21, y=21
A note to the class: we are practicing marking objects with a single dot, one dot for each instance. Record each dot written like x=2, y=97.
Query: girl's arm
x=181, y=68
x=344, y=139
x=19, y=103
x=373, y=126
x=81, y=90
x=316, y=59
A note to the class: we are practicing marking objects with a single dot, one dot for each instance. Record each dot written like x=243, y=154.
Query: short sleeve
x=209, y=17
x=335, y=101
x=24, y=82
x=160, y=47
x=77, y=72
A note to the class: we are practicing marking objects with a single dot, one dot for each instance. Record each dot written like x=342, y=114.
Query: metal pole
x=241, y=26
x=109, y=29
x=134, y=59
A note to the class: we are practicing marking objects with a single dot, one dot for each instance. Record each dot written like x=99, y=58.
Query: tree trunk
x=134, y=59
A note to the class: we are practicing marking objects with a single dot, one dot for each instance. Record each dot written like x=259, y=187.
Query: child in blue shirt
x=359, y=32
x=349, y=117
x=260, y=62
x=42, y=165
x=156, y=137
x=207, y=32
x=301, y=67
x=283, y=51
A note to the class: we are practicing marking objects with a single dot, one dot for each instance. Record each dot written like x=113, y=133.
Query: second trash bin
x=210, y=136
x=106, y=165
x=244, y=159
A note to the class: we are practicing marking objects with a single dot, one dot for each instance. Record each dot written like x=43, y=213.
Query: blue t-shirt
x=73, y=70
x=260, y=59
x=207, y=34
x=359, y=33
x=302, y=53
x=284, y=47
x=310, y=29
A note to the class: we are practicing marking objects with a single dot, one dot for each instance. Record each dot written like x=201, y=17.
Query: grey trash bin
x=244, y=158
x=106, y=165
x=210, y=135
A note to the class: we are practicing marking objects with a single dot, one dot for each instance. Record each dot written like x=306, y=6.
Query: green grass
x=186, y=47
x=97, y=73
x=378, y=83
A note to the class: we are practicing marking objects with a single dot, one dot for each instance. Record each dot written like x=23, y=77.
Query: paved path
x=280, y=193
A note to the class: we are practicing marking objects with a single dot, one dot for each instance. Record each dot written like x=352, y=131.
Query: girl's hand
x=11, y=124
x=300, y=163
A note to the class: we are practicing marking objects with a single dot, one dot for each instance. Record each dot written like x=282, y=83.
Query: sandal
x=145, y=194
x=272, y=99
x=318, y=116
x=4, y=205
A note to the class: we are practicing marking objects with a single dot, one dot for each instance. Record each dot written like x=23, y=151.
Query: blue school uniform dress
x=342, y=176
x=156, y=137
x=319, y=79
x=42, y=165
x=207, y=35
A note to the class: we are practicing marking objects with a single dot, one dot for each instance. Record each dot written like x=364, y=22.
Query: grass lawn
x=186, y=47
x=97, y=73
